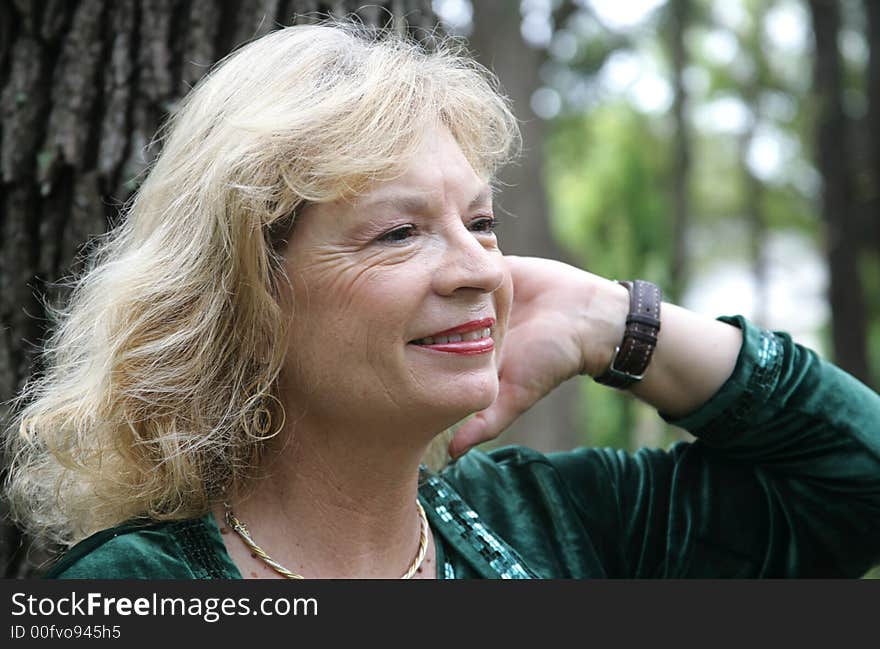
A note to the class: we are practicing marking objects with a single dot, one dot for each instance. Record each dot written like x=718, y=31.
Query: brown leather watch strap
x=631, y=357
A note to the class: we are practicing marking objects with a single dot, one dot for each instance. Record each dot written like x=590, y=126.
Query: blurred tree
x=872, y=11
x=85, y=85
x=750, y=89
x=871, y=212
x=752, y=193
x=521, y=199
x=843, y=241
x=680, y=12
x=609, y=177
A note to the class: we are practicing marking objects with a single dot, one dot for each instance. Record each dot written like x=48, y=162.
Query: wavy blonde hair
x=162, y=369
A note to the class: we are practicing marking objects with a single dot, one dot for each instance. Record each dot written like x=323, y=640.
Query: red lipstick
x=462, y=347
x=473, y=325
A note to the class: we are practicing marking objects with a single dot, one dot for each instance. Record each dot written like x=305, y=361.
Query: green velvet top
x=783, y=481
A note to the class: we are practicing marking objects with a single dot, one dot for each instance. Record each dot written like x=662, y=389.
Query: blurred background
x=727, y=150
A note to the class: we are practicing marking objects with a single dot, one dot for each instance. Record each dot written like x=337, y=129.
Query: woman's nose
x=470, y=261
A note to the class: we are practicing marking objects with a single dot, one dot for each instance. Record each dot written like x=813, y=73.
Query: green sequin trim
x=467, y=526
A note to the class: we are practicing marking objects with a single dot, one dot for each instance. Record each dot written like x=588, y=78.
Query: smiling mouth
x=478, y=334
x=471, y=339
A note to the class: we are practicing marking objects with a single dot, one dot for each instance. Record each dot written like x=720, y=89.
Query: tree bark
x=84, y=85
x=842, y=240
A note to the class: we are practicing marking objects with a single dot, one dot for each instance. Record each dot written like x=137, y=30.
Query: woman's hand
x=564, y=321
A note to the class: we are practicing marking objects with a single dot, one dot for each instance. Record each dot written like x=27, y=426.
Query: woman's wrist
x=604, y=327
x=695, y=355
x=632, y=354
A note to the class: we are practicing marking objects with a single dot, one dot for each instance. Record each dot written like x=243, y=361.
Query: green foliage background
x=609, y=165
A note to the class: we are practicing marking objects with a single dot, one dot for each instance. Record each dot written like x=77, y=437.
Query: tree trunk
x=842, y=240
x=753, y=188
x=872, y=215
x=85, y=85
x=680, y=14
x=521, y=201
x=753, y=193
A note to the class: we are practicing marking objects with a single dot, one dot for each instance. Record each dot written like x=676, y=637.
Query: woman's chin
x=460, y=401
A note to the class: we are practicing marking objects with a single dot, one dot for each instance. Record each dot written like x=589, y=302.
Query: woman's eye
x=397, y=235
x=487, y=224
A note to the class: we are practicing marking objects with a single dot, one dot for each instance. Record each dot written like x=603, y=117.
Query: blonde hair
x=159, y=388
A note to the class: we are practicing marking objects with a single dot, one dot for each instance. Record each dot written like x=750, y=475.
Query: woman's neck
x=336, y=504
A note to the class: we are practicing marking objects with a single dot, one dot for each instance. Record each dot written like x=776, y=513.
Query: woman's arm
x=694, y=356
x=783, y=482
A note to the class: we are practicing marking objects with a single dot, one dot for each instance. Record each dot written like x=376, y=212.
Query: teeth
x=454, y=338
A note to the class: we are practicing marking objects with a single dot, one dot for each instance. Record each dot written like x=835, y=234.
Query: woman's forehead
x=436, y=167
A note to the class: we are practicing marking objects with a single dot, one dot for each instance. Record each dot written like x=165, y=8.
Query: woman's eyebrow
x=419, y=203
x=484, y=197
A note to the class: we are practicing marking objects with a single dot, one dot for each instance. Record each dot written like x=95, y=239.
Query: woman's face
x=412, y=257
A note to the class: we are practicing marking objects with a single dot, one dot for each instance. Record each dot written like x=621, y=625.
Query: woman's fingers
x=489, y=423
x=472, y=432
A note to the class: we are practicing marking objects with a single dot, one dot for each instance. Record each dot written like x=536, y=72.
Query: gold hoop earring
x=262, y=420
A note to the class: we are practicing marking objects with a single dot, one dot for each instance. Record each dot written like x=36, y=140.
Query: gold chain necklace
x=242, y=530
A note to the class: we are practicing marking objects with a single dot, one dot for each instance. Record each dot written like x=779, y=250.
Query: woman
x=308, y=291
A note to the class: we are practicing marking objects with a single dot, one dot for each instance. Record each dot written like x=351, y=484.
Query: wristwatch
x=632, y=356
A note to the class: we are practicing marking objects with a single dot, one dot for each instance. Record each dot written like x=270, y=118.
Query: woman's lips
x=477, y=336
x=467, y=327
x=464, y=347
